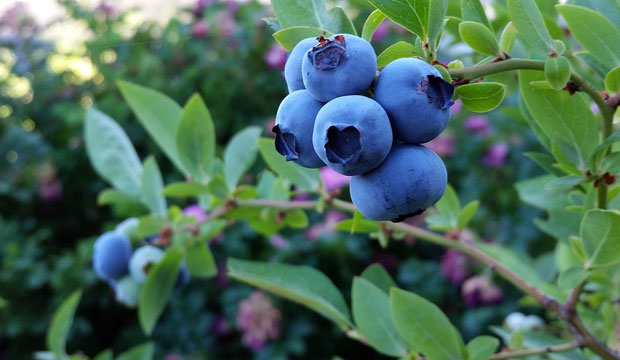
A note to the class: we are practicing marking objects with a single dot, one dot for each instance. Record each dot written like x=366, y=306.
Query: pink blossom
x=454, y=266
x=382, y=31
x=195, y=211
x=50, y=191
x=443, y=145
x=258, y=320
x=477, y=124
x=278, y=241
x=456, y=107
x=332, y=179
x=479, y=290
x=276, y=57
x=227, y=23
x=496, y=155
x=200, y=29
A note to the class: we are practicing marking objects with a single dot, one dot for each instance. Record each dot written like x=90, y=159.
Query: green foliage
x=530, y=25
x=371, y=24
x=401, y=49
x=290, y=36
x=307, y=179
x=62, y=320
x=481, y=97
x=482, y=347
x=479, y=38
x=298, y=13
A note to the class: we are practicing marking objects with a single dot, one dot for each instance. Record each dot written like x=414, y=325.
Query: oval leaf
x=152, y=187
x=379, y=277
x=289, y=37
x=240, y=154
x=410, y=14
x=530, y=24
x=482, y=347
x=507, y=39
x=58, y=330
x=307, y=179
x=479, y=38
x=401, y=49
x=557, y=72
x=612, y=80
x=184, y=189
x=372, y=23
x=312, y=13
x=481, y=97
x=600, y=233
x=195, y=139
x=200, y=262
x=472, y=10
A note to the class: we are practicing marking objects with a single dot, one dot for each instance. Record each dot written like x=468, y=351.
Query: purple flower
x=332, y=179
x=477, y=124
x=200, y=5
x=278, y=241
x=479, y=290
x=382, y=30
x=195, y=211
x=219, y=326
x=496, y=155
x=258, y=320
x=454, y=266
x=276, y=57
x=443, y=145
x=200, y=29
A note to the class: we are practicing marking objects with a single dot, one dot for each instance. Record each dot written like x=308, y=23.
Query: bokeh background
x=58, y=57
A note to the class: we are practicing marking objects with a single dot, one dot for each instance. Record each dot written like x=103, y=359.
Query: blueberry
x=111, y=255
x=416, y=98
x=292, y=69
x=410, y=179
x=338, y=66
x=127, y=291
x=293, y=129
x=352, y=134
x=143, y=259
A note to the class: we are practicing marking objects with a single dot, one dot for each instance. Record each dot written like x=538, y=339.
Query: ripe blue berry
x=410, y=179
x=416, y=98
x=111, y=255
x=143, y=259
x=352, y=134
x=338, y=66
x=293, y=129
x=292, y=69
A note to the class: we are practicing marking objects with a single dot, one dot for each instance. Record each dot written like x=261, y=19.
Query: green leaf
x=572, y=277
x=401, y=49
x=105, y=355
x=144, y=351
x=566, y=119
x=377, y=275
x=371, y=312
x=240, y=154
x=307, y=179
x=312, y=13
x=516, y=341
x=565, y=182
x=58, y=330
x=436, y=13
x=530, y=25
x=425, y=327
x=302, y=284
x=111, y=153
x=119, y=198
x=545, y=161
x=158, y=288
x=472, y=10
x=158, y=114
x=185, y=189
x=200, y=261
x=600, y=233
x=218, y=187
x=150, y=225
x=466, y=214
x=290, y=36
x=482, y=347
x=609, y=8
x=296, y=219
x=371, y=24
x=612, y=80
x=538, y=339
x=362, y=226
x=152, y=187
x=533, y=192
x=413, y=15
x=195, y=140
x=594, y=32
x=479, y=38
x=481, y=97
x=507, y=39
x=557, y=72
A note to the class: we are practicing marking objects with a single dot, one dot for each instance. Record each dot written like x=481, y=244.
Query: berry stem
x=510, y=354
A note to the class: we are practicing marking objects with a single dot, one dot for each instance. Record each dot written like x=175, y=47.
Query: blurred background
x=58, y=57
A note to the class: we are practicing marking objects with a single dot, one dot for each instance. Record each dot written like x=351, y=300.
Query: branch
x=509, y=354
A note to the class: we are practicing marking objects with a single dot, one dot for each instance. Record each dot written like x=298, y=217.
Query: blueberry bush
x=375, y=115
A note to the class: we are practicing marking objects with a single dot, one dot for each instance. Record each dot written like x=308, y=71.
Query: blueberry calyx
x=285, y=144
x=343, y=144
x=437, y=90
x=328, y=53
x=401, y=218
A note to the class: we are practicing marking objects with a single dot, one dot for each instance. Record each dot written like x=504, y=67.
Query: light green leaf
x=482, y=347
x=290, y=36
x=449, y=204
x=158, y=114
x=158, y=288
x=436, y=13
x=472, y=10
x=595, y=33
x=425, y=327
x=312, y=13
x=200, y=261
x=119, y=198
x=144, y=351
x=362, y=226
x=467, y=213
x=612, y=80
x=150, y=225
x=371, y=312
x=530, y=25
x=600, y=233
x=240, y=154
x=545, y=161
x=371, y=24
x=481, y=97
x=572, y=277
x=302, y=284
x=62, y=320
x=557, y=72
x=401, y=49
x=218, y=187
x=411, y=14
x=564, y=182
x=307, y=179
x=195, y=140
x=479, y=38
x=516, y=341
x=377, y=275
x=507, y=39
x=533, y=192
x=297, y=219
x=111, y=153
x=185, y=189
x=609, y=8
x=152, y=187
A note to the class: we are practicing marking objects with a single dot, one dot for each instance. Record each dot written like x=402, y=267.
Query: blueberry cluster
x=123, y=269
x=328, y=118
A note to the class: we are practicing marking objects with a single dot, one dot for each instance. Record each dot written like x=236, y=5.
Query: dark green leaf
x=530, y=25
x=312, y=13
x=436, y=13
x=307, y=179
x=144, y=351
x=200, y=262
x=218, y=187
x=290, y=36
x=411, y=14
x=377, y=275
x=482, y=347
x=185, y=189
x=240, y=154
x=557, y=72
x=545, y=161
x=58, y=330
x=481, y=97
x=472, y=10
x=401, y=49
x=372, y=23
x=467, y=213
x=152, y=187
x=600, y=233
x=479, y=38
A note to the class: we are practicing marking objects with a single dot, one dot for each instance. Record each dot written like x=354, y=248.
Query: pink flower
x=456, y=107
x=332, y=179
x=276, y=57
x=479, y=290
x=200, y=29
x=195, y=211
x=454, y=266
x=50, y=191
x=278, y=241
x=477, y=124
x=382, y=30
x=443, y=145
x=258, y=320
x=496, y=155
x=228, y=25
